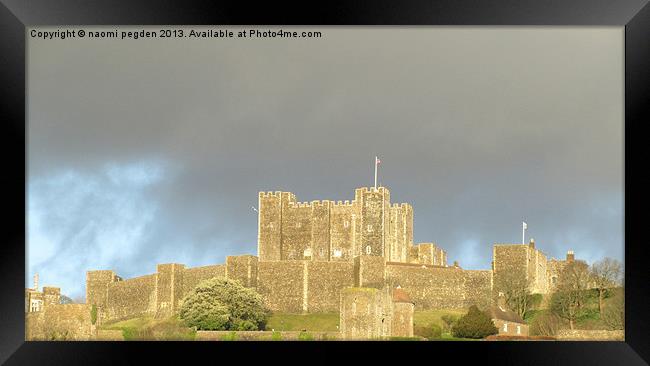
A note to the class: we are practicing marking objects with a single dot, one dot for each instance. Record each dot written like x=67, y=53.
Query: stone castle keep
x=309, y=252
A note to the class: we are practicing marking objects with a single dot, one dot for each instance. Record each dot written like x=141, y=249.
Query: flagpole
x=523, y=233
x=375, y=172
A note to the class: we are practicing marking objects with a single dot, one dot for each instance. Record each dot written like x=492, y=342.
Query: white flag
x=525, y=226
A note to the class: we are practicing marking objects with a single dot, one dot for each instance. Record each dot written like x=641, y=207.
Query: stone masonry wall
x=169, y=288
x=282, y=284
x=130, y=298
x=509, y=260
x=402, y=319
x=303, y=286
x=432, y=287
x=242, y=268
x=60, y=322
x=344, y=224
x=97, y=286
x=324, y=283
x=369, y=271
x=365, y=313
x=192, y=276
x=590, y=335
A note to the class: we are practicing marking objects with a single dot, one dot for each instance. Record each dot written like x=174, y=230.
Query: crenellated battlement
x=345, y=203
x=362, y=190
x=299, y=204
x=276, y=194
x=323, y=203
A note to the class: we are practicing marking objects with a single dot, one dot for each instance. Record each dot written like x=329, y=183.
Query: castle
x=309, y=252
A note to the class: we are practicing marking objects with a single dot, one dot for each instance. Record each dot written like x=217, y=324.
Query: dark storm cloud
x=478, y=128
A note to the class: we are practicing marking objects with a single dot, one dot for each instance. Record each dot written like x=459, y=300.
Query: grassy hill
x=148, y=328
x=320, y=322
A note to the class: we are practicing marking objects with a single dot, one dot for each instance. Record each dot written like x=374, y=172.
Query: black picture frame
x=16, y=15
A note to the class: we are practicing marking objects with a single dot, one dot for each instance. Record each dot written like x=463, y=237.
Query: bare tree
x=516, y=291
x=606, y=274
x=614, y=313
x=568, y=300
x=545, y=324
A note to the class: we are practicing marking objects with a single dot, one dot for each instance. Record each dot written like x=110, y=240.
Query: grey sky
x=153, y=150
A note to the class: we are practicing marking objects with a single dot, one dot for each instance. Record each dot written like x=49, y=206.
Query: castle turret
x=269, y=242
x=375, y=203
x=570, y=257
x=97, y=286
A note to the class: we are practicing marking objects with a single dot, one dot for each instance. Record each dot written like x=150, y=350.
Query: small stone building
x=372, y=313
x=403, y=309
x=508, y=322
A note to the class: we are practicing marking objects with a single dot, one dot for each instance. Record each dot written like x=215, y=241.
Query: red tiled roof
x=505, y=314
x=400, y=295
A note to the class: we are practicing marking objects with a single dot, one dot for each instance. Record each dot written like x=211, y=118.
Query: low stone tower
x=365, y=313
x=403, y=309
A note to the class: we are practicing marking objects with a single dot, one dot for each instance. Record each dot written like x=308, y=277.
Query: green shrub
x=93, y=314
x=276, y=336
x=448, y=320
x=222, y=304
x=130, y=334
x=431, y=331
x=305, y=336
x=474, y=324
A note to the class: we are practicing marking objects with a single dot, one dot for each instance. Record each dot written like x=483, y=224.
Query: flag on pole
x=524, y=226
x=377, y=161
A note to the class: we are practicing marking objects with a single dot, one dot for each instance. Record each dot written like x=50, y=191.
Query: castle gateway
x=309, y=252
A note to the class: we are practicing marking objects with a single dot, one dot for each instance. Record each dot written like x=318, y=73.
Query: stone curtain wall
x=169, y=287
x=192, y=276
x=324, y=283
x=242, y=268
x=369, y=271
x=132, y=297
x=298, y=286
x=281, y=283
x=60, y=322
x=159, y=294
x=432, y=287
x=303, y=286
